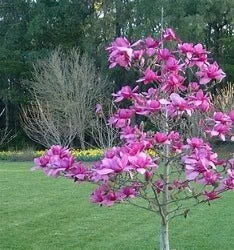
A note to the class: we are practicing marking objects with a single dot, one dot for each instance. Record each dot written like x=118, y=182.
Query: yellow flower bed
x=89, y=154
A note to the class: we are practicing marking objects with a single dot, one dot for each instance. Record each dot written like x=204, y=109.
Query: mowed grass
x=41, y=213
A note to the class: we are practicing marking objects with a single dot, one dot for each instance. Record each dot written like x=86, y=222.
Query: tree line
x=31, y=29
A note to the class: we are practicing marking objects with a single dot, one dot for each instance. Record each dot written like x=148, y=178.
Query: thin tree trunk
x=82, y=144
x=164, y=236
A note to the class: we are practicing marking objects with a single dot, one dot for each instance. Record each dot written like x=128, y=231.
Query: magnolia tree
x=175, y=77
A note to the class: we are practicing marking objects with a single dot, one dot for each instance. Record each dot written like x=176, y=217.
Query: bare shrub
x=104, y=135
x=6, y=135
x=65, y=88
x=224, y=100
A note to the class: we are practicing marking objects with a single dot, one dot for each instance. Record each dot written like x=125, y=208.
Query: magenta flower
x=41, y=162
x=141, y=162
x=113, y=165
x=149, y=76
x=211, y=195
x=148, y=107
x=199, y=55
x=180, y=184
x=193, y=86
x=57, y=160
x=174, y=83
x=159, y=186
x=161, y=138
x=176, y=144
x=231, y=115
x=172, y=65
x=121, y=118
x=121, y=53
x=169, y=34
x=98, y=108
x=210, y=72
x=129, y=133
x=196, y=143
x=125, y=93
x=209, y=178
x=220, y=130
x=138, y=54
x=104, y=196
x=151, y=44
x=164, y=54
x=78, y=172
x=222, y=118
x=128, y=192
x=178, y=106
x=187, y=49
x=200, y=101
x=148, y=175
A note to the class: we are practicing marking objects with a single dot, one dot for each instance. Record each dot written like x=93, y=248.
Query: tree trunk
x=164, y=236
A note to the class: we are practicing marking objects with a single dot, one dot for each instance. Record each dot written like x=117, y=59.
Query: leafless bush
x=6, y=135
x=224, y=100
x=65, y=88
x=103, y=134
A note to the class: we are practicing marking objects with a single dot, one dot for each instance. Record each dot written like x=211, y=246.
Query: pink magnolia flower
x=209, y=178
x=78, y=172
x=121, y=53
x=41, y=162
x=228, y=184
x=98, y=108
x=196, y=143
x=171, y=65
x=164, y=54
x=200, y=101
x=103, y=195
x=149, y=76
x=159, y=186
x=174, y=83
x=148, y=175
x=199, y=55
x=125, y=93
x=169, y=34
x=210, y=72
x=187, y=49
x=222, y=118
x=193, y=86
x=231, y=163
x=113, y=165
x=135, y=147
x=180, y=184
x=161, y=138
x=178, y=106
x=151, y=44
x=148, y=107
x=193, y=167
x=128, y=192
x=212, y=195
x=220, y=130
x=141, y=162
x=138, y=54
x=121, y=117
x=57, y=160
x=231, y=115
x=176, y=144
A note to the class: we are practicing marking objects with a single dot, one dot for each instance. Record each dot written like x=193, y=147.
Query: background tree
x=66, y=88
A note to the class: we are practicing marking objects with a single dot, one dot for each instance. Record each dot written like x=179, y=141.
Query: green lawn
x=41, y=213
